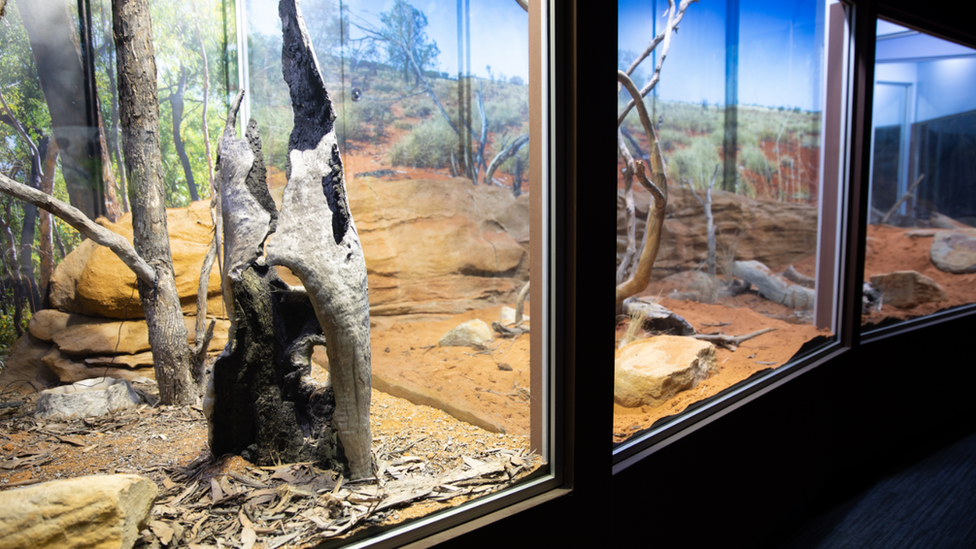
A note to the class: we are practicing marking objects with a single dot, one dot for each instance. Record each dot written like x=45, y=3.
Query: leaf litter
x=424, y=460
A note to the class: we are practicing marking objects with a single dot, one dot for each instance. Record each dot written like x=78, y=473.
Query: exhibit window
x=442, y=128
x=743, y=284
x=919, y=257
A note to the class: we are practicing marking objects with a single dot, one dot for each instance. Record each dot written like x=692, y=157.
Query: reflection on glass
x=920, y=239
x=735, y=99
x=432, y=105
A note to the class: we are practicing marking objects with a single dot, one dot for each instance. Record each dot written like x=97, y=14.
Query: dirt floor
x=888, y=249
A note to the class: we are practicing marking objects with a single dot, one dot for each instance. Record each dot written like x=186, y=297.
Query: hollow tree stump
x=268, y=408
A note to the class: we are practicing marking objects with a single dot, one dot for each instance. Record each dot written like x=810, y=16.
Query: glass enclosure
x=921, y=240
x=736, y=101
x=433, y=128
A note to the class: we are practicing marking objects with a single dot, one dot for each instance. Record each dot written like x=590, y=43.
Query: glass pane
x=432, y=106
x=920, y=238
x=434, y=141
x=736, y=105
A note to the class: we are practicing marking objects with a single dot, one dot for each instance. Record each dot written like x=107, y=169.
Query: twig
x=731, y=342
x=904, y=197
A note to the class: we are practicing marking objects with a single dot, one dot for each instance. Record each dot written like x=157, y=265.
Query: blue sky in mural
x=780, y=50
x=499, y=31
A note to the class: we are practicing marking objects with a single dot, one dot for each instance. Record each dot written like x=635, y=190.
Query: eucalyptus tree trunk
x=139, y=114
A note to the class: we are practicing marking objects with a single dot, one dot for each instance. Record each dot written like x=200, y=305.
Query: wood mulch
x=425, y=461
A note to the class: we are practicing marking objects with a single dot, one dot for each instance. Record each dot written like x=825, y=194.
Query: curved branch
x=659, y=193
x=506, y=153
x=74, y=217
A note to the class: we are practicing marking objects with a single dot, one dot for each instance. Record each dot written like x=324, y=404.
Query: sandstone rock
x=507, y=316
x=48, y=322
x=473, y=333
x=93, y=281
x=71, y=371
x=774, y=233
x=907, y=289
x=94, y=512
x=649, y=371
x=435, y=247
x=89, y=398
x=955, y=251
x=23, y=370
x=85, y=336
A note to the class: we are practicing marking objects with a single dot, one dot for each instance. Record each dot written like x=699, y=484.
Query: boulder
x=93, y=281
x=772, y=232
x=89, y=398
x=907, y=289
x=954, y=251
x=23, y=369
x=473, y=333
x=440, y=247
x=83, y=335
x=648, y=372
x=71, y=371
x=94, y=512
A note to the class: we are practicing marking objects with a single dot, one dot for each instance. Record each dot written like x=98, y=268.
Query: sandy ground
x=888, y=249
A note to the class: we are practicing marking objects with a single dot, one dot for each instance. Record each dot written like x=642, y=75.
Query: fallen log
x=658, y=318
x=731, y=342
x=773, y=286
x=795, y=276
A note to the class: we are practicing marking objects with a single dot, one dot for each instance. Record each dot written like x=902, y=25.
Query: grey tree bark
x=317, y=239
x=139, y=115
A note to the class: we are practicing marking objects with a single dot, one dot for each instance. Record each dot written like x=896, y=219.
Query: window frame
x=856, y=87
x=836, y=208
x=550, y=429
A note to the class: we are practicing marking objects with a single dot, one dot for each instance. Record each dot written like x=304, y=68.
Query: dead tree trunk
x=139, y=114
x=317, y=240
x=262, y=402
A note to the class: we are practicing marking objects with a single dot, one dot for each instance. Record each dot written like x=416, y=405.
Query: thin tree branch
x=663, y=38
x=504, y=155
x=74, y=217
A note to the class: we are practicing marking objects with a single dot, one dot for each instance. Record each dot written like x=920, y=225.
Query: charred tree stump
x=268, y=409
x=317, y=239
x=261, y=402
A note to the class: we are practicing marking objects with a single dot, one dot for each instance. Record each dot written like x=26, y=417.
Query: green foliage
x=407, y=41
x=428, y=145
x=695, y=163
x=8, y=328
x=753, y=159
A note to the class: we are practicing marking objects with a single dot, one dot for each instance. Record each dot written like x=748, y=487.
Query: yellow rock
x=648, y=372
x=95, y=512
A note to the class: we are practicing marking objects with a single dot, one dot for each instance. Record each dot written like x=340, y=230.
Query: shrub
x=695, y=163
x=753, y=159
x=428, y=145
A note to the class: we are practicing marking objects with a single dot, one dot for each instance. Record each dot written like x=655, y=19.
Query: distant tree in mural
x=408, y=48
